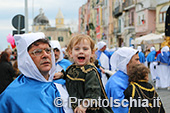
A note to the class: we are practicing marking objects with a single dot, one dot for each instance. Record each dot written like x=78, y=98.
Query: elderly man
x=33, y=91
x=116, y=85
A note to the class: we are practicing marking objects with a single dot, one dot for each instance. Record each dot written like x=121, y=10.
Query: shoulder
x=5, y=64
x=13, y=87
x=116, y=79
x=70, y=67
x=88, y=68
x=65, y=60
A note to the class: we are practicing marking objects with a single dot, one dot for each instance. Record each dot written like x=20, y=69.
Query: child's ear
x=93, y=51
x=70, y=54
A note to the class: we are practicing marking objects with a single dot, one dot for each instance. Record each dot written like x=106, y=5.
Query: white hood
x=164, y=49
x=121, y=58
x=25, y=62
x=55, y=44
x=152, y=49
x=139, y=48
x=101, y=44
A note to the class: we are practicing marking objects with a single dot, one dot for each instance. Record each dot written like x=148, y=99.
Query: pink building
x=145, y=18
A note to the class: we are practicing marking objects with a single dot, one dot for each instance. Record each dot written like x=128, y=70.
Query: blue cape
x=60, y=81
x=98, y=53
x=26, y=95
x=164, y=58
x=115, y=88
x=64, y=63
x=151, y=56
x=141, y=57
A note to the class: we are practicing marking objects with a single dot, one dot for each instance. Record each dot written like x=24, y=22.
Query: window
x=60, y=39
x=132, y=18
x=141, y=19
x=162, y=14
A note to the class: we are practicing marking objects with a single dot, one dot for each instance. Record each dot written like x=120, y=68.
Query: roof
x=60, y=14
x=41, y=19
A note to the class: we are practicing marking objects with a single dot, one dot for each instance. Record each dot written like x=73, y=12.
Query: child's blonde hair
x=77, y=38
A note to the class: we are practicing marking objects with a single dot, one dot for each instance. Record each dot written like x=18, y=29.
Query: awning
x=150, y=39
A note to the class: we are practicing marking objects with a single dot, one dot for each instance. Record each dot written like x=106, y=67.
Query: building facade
x=60, y=32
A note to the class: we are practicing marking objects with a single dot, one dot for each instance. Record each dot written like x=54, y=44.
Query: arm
x=92, y=90
x=115, y=92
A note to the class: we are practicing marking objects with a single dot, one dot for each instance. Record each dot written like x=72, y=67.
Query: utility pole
x=26, y=16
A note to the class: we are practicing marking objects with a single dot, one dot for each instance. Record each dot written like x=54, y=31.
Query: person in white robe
x=163, y=72
x=103, y=56
x=61, y=64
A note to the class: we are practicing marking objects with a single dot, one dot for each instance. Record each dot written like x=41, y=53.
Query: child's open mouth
x=81, y=58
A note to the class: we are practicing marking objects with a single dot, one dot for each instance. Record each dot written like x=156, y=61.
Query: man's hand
x=102, y=70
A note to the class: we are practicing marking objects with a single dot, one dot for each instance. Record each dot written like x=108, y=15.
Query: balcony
x=117, y=30
x=118, y=11
x=129, y=23
x=128, y=3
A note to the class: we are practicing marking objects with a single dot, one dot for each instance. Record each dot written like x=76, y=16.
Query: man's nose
x=45, y=54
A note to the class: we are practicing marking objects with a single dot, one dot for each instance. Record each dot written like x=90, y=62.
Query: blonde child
x=82, y=78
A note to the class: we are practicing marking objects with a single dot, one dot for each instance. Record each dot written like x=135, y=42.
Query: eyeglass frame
x=40, y=54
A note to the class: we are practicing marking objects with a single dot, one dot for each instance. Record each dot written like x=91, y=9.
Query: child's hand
x=58, y=75
x=80, y=109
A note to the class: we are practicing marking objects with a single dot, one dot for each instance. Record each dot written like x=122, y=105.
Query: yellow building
x=160, y=17
x=161, y=9
x=59, y=32
x=59, y=20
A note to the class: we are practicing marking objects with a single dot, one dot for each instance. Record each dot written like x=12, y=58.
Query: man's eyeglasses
x=39, y=52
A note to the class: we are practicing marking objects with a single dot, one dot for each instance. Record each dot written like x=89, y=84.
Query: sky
x=11, y=8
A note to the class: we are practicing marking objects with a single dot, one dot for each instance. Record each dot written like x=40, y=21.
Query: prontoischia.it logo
x=58, y=102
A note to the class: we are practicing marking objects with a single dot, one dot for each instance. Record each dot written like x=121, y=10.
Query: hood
x=139, y=48
x=121, y=58
x=152, y=49
x=100, y=45
x=55, y=44
x=164, y=49
x=25, y=63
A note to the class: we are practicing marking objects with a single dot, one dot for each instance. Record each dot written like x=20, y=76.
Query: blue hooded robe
x=19, y=97
x=151, y=56
x=115, y=87
x=30, y=92
x=141, y=57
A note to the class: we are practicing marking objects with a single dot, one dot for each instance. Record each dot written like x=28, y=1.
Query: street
x=164, y=94
x=165, y=97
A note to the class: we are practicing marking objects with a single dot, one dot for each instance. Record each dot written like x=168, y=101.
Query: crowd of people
x=42, y=71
